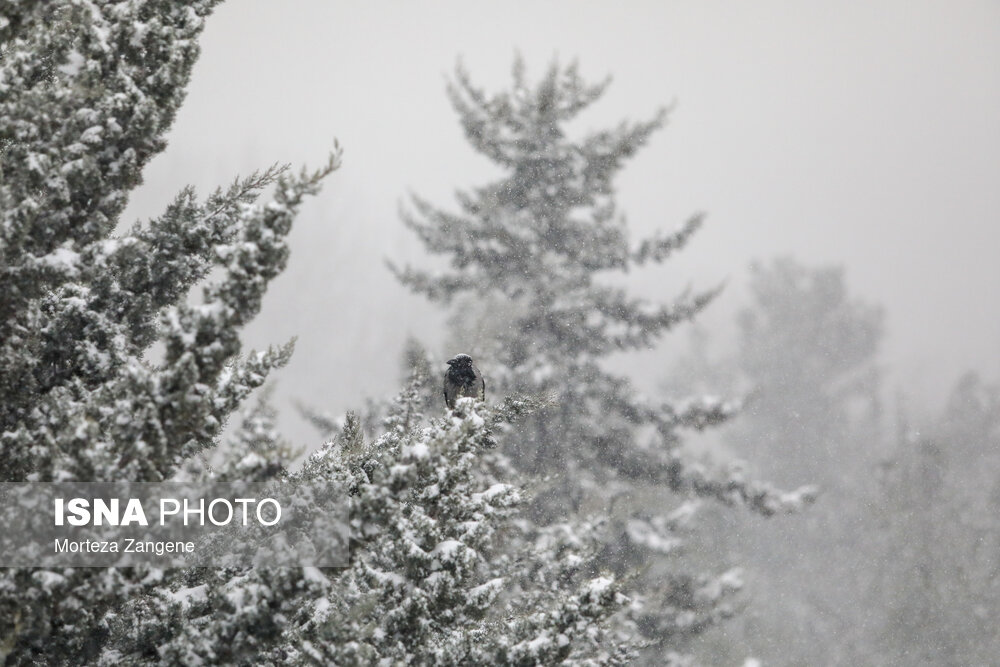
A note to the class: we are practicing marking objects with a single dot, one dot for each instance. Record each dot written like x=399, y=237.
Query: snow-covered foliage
x=528, y=259
x=81, y=306
x=431, y=578
x=88, y=90
x=256, y=451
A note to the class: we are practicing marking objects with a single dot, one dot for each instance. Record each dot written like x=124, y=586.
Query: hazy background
x=861, y=133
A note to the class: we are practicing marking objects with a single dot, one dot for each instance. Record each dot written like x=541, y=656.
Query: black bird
x=463, y=379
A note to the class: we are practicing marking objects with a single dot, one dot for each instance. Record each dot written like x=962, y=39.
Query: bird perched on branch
x=463, y=379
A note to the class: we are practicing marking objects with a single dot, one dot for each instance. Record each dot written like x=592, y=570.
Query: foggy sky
x=866, y=134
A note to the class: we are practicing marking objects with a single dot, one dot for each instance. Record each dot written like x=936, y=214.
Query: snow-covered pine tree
x=527, y=254
x=431, y=578
x=430, y=560
x=256, y=450
x=88, y=90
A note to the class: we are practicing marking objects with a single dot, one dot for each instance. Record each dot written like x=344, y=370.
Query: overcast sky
x=862, y=133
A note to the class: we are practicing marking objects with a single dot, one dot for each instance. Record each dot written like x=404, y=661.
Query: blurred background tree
x=937, y=571
x=806, y=358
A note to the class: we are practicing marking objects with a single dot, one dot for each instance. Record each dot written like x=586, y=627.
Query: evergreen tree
x=936, y=579
x=88, y=91
x=809, y=351
x=528, y=255
x=807, y=357
x=430, y=579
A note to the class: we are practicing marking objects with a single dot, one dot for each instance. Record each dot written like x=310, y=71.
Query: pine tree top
x=540, y=236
